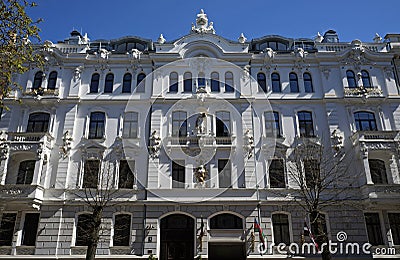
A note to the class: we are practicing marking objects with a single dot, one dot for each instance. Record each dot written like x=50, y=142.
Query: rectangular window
x=394, y=221
x=26, y=171
x=272, y=126
x=83, y=229
x=130, y=128
x=122, y=230
x=306, y=125
x=178, y=175
x=373, y=228
x=7, y=225
x=126, y=174
x=91, y=174
x=377, y=169
x=29, y=231
x=224, y=173
x=280, y=224
x=223, y=121
x=277, y=174
x=179, y=123
x=311, y=172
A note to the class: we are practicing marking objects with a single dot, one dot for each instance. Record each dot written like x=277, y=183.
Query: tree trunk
x=94, y=233
x=317, y=224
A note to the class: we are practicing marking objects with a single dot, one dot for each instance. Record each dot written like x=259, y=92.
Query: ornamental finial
x=202, y=25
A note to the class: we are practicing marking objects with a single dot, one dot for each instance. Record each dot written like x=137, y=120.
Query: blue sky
x=352, y=19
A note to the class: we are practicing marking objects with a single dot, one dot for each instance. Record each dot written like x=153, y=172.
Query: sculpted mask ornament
x=248, y=142
x=201, y=175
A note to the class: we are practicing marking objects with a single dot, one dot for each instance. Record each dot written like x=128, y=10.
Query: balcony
x=21, y=191
x=376, y=140
x=34, y=142
x=389, y=192
x=363, y=92
x=196, y=141
x=41, y=92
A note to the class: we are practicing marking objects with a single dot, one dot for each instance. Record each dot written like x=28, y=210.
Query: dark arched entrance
x=177, y=237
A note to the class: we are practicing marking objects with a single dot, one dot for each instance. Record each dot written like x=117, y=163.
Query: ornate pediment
x=91, y=148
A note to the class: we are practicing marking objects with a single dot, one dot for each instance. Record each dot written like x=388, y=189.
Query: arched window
x=38, y=123
x=109, y=83
x=51, y=84
x=139, y=84
x=306, y=126
x=226, y=221
x=26, y=170
x=294, y=83
x=122, y=230
x=308, y=86
x=280, y=224
x=351, y=79
x=377, y=169
x=97, y=125
x=215, y=82
x=187, y=82
x=365, y=121
x=276, y=82
x=229, y=82
x=365, y=79
x=94, y=83
x=127, y=83
x=262, y=83
x=173, y=82
x=37, y=80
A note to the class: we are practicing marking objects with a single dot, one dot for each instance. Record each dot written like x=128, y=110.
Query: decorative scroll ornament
x=66, y=147
x=248, y=142
x=155, y=145
x=202, y=25
x=337, y=140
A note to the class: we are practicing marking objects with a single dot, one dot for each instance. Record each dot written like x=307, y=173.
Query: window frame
x=382, y=176
x=173, y=82
x=187, y=82
x=28, y=224
x=94, y=83
x=52, y=81
x=294, y=83
x=7, y=234
x=37, y=80
x=359, y=121
x=90, y=179
x=25, y=172
x=273, y=124
x=178, y=132
x=127, y=83
x=226, y=121
x=229, y=82
x=366, y=79
x=395, y=237
x=262, y=81
x=304, y=124
x=130, y=176
x=178, y=175
x=275, y=81
x=43, y=123
x=132, y=124
x=216, y=223
x=109, y=83
x=141, y=87
x=308, y=84
x=81, y=239
x=280, y=229
x=351, y=79
x=224, y=173
x=282, y=174
x=377, y=226
x=215, y=84
x=123, y=229
x=94, y=131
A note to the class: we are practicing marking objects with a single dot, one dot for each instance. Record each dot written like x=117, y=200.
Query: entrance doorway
x=177, y=237
x=226, y=251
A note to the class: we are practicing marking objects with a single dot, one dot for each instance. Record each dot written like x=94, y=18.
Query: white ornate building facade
x=192, y=140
